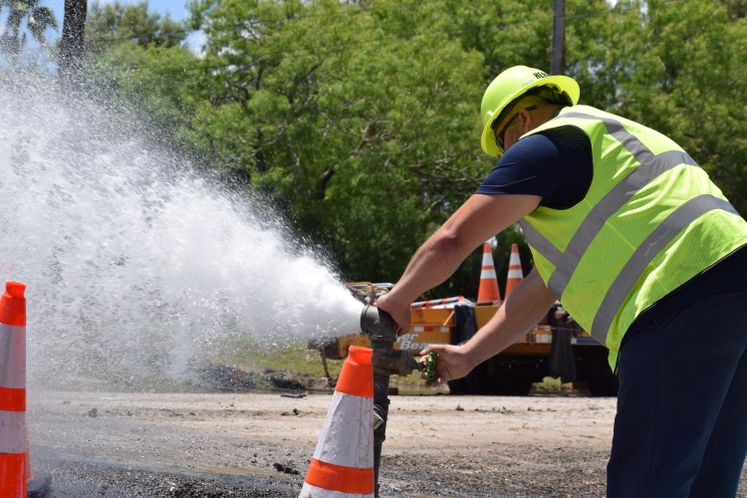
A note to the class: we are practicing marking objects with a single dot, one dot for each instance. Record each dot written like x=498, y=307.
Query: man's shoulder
x=555, y=164
x=548, y=145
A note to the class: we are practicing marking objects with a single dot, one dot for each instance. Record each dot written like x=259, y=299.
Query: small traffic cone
x=342, y=465
x=514, y=270
x=488, y=293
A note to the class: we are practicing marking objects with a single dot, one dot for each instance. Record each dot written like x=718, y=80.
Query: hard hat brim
x=563, y=83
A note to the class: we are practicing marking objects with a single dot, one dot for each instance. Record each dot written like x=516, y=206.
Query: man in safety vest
x=641, y=248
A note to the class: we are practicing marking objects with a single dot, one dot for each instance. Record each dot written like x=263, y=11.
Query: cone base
x=38, y=487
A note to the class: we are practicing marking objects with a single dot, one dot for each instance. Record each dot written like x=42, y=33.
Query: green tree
x=113, y=23
x=354, y=117
x=677, y=67
x=702, y=57
x=138, y=56
x=361, y=120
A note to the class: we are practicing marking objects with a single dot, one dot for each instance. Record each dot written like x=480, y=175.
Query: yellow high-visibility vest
x=650, y=221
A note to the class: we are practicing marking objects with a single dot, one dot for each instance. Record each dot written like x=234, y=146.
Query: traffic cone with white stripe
x=13, y=458
x=488, y=292
x=342, y=465
x=16, y=478
x=514, y=270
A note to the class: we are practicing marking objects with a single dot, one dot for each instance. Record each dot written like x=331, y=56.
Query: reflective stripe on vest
x=583, y=231
x=651, y=167
x=655, y=242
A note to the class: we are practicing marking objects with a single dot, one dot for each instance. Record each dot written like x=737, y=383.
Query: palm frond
x=39, y=20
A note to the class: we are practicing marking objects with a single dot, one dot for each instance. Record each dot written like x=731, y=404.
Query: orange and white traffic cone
x=342, y=465
x=16, y=478
x=488, y=292
x=514, y=270
x=13, y=458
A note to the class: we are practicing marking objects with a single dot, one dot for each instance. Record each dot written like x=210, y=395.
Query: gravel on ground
x=189, y=445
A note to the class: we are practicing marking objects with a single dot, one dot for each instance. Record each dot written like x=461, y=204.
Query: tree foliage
x=361, y=119
x=115, y=23
x=38, y=19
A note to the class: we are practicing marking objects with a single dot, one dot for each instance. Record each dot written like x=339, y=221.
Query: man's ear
x=526, y=120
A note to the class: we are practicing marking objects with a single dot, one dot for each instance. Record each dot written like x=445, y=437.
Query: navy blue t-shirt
x=554, y=164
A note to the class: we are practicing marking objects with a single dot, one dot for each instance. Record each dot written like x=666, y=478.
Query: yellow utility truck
x=555, y=347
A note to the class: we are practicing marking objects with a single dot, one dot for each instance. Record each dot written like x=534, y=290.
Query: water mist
x=136, y=265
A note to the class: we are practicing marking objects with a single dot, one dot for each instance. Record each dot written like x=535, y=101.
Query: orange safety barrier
x=437, y=303
x=515, y=274
x=13, y=454
x=342, y=465
x=488, y=292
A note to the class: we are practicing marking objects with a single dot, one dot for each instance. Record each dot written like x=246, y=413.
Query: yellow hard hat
x=507, y=87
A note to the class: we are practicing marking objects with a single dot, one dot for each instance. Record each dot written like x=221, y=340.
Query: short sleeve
x=554, y=164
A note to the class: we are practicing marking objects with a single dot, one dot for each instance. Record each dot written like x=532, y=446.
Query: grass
x=295, y=356
x=292, y=356
x=552, y=385
x=414, y=385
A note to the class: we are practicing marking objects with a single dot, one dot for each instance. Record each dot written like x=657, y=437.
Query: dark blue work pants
x=681, y=424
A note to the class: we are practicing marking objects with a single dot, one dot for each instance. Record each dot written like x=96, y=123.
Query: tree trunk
x=73, y=40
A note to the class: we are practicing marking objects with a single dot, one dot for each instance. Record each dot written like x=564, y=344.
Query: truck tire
x=500, y=386
x=480, y=382
x=458, y=387
x=496, y=377
x=515, y=387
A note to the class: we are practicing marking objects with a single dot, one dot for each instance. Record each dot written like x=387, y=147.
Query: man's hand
x=452, y=363
x=398, y=309
x=527, y=304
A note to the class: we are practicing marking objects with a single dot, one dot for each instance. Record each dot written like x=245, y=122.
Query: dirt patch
x=240, y=445
x=237, y=378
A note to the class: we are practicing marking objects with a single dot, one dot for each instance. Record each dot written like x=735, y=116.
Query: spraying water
x=136, y=266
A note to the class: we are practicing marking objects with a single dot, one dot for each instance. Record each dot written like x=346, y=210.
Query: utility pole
x=557, y=64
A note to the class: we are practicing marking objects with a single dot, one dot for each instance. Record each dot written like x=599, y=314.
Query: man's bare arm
x=478, y=219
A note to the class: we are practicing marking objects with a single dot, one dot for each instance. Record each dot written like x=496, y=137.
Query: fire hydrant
x=381, y=328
